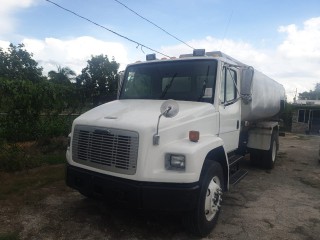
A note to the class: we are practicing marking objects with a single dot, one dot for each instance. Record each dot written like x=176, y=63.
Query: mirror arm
x=156, y=136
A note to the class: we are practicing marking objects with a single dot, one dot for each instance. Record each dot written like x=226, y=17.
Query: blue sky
x=280, y=38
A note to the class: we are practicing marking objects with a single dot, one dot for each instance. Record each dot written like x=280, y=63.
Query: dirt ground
x=280, y=204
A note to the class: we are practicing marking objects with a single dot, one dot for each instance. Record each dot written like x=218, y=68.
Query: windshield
x=187, y=80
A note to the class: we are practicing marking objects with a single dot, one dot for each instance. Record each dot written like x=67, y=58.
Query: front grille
x=113, y=150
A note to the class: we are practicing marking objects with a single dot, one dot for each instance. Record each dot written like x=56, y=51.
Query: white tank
x=262, y=97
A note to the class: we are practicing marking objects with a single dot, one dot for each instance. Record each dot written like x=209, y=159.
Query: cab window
x=228, y=89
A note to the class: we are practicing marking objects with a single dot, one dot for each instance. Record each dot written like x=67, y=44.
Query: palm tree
x=64, y=75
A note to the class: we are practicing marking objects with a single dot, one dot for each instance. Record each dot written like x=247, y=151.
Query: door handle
x=237, y=124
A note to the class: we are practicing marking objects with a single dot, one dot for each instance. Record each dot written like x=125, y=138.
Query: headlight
x=175, y=162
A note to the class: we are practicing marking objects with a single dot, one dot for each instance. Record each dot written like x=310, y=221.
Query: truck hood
x=142, y=114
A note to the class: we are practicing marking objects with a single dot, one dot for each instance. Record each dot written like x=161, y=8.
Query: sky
x=281, y=38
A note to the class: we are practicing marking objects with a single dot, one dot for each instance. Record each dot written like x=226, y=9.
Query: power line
x=153, y=24
x=226, y=29
x=105, y=28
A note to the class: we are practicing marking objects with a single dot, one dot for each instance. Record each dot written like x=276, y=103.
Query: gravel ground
x=280, y=204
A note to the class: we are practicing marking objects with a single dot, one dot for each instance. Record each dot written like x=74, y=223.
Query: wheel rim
x=213, y=198
x=274, y=151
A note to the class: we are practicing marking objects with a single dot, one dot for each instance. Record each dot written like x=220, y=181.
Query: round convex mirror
x=169, y=108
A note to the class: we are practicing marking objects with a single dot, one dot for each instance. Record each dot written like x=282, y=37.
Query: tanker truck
x=174, y=138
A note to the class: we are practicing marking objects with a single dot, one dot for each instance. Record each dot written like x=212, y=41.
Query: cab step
x=233, y=160
x=237, y=176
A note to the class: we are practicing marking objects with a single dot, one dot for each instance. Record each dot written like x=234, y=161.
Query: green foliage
x=286, y=116
x=32, y=104
x=64, y=75
x=99, y=78
x=311, y=95
x=22, y=101
x=17, y=64
x=16, y=157
x=6, y=154
x=54, y=126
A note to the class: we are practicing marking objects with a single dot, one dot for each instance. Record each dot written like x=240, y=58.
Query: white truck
x=213, y=111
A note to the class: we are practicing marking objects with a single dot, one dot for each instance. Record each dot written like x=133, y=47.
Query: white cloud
x=7, y=9
x=294, y=63
x=73, y=53
x=4, y=44
x=239, y=50
x=298, y=56
x=301, y=42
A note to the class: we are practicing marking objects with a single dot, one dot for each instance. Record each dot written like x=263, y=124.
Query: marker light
x=199, y=52
x=151, y=57
x=194, y=136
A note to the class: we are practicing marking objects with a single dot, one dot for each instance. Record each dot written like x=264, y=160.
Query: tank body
x=262, y=96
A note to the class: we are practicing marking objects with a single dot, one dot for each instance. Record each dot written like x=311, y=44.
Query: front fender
x=195, y=153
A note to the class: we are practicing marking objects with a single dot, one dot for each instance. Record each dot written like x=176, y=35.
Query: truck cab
x=172, y=140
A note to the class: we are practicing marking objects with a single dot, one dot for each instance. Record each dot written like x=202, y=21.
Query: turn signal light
x=194, y=136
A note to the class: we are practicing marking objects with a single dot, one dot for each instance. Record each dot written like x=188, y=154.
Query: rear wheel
x=265, y=158
x=269, y=157
x=204, y=217
x=255, y=157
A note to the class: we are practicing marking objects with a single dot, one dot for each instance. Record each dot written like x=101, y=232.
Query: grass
x=28, y=188
x=9, y=236
x=28, y=166
x=27, y=155
x=22, y=183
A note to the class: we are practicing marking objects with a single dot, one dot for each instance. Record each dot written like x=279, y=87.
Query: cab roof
x=197, y=54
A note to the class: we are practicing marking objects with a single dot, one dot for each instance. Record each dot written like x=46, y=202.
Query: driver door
x=229, y=108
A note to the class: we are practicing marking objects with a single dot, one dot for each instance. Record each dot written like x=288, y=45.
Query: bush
x=21, y=156
x=14, y=158
x=54, y=126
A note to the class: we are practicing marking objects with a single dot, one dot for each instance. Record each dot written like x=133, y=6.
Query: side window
x=228, y=91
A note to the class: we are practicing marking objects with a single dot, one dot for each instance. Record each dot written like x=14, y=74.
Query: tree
x=64, y=75
x=99, y=79
x=311, y=95
x=23, y=102
x=17, y=64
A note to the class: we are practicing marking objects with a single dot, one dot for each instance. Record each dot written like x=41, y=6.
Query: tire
x=256, y=157
x=270, y=156
x=204, y=217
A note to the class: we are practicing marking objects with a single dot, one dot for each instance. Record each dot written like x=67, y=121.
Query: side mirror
x=169, y=109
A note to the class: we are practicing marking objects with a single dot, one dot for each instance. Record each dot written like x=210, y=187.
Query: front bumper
x=135, y=194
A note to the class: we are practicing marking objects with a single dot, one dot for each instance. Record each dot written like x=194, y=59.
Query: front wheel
x=204, y=217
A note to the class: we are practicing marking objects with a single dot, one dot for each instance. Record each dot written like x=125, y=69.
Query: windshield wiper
x=165, y=90
x=204, y=86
